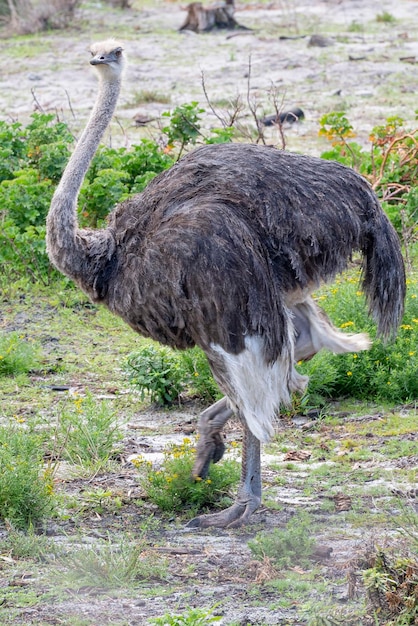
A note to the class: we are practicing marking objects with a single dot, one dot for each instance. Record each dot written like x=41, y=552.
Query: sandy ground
x=370, y=72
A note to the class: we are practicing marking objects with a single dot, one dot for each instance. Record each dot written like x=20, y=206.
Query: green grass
x=191, y=617
x=88, y=431
x=287, y=547
x=26, y=486
x=114, y=563
x=18, y=355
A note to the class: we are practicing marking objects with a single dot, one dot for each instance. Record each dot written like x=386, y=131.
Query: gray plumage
x=208, y=252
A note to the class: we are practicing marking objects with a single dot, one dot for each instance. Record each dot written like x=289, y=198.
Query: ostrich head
x=108, y=59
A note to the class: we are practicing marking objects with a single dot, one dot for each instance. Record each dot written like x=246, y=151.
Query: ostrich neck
x=89, y=141
x=68, y=247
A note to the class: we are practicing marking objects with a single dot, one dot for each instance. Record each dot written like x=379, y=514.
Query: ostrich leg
x=210, y=446
x=249, y=491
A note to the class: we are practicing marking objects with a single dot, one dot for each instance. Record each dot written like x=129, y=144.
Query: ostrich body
x=223, y=251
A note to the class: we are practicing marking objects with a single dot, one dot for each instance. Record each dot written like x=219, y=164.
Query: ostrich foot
x=210, y=446
x=249, y=492
x=233, y=517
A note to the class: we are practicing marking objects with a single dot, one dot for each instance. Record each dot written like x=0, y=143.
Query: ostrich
x=223, y=251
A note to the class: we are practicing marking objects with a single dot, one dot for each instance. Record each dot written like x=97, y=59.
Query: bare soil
x=370, y=70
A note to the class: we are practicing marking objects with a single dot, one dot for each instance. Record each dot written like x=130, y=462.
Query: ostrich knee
x=210, y=445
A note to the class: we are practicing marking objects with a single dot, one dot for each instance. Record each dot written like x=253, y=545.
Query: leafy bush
x=390, y=165
x=157, y=372
x=162, y=374
x=17, y=355
x=116, y=174
x=171, y=486
x=26, y=488
x=184, y=126
x=385, y=372
x=36, y=156
x=198, y=375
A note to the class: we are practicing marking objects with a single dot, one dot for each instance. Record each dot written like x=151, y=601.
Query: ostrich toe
x=233, y=517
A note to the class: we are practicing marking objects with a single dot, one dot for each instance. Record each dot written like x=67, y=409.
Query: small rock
x=320, y=41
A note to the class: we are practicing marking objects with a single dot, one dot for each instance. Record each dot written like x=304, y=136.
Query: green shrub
x=12, y=149
x=385, y=372
x=157, y=373
x=172, y=488
x=116, y=174
x=26, y=487
x=98, y=197
x=17, y=355
x=200, y=381
x=32, y=161
x=184, y=124
x=47, y=145
x=162, y=374
x=390, y=164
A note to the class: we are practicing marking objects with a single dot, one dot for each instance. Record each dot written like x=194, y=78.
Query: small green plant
x=199, y=376
x=157, y=372
x=184, y=124
x=26, y=487
x=385, y=17
x=17, y=355
x=392, y=588
x=172, y=488
x=113, y=564
x=286, y=547
x=99, y=501
x=88, y=431
x=162, y=374
x=192, y=617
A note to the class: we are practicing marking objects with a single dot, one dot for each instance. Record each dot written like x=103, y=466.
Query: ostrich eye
x=118, y=52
